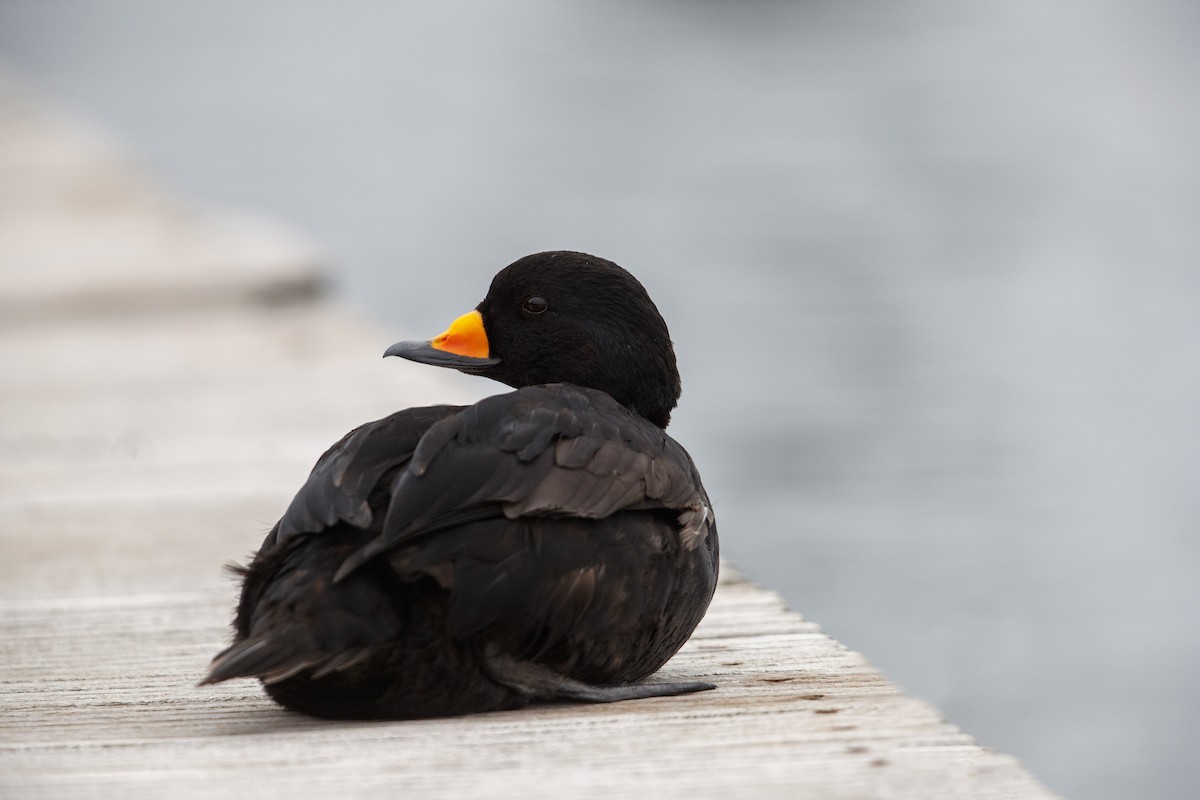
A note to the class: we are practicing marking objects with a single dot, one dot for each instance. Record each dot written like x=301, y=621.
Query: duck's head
x=564, y=317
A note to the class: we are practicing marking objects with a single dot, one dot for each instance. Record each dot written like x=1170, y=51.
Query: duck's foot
x=539, y=683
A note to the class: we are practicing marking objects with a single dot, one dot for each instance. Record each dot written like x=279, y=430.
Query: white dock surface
x=167, y=378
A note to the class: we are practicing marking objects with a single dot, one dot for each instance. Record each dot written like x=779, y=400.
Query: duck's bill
x=464, y=345
x=426, y=353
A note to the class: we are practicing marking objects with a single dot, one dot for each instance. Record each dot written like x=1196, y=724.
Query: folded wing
x=543, y=451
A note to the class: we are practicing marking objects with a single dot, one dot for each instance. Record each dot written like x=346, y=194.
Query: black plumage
x=550, y=543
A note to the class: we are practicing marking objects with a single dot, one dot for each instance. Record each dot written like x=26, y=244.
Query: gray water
x=932, y=269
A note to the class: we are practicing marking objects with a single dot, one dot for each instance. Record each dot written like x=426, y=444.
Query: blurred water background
x=932, y=269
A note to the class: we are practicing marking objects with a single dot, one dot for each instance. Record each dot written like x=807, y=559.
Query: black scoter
x=548, y=544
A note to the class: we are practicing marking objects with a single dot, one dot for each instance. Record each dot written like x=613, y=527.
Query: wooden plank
x=140, y=451
x=99, y=699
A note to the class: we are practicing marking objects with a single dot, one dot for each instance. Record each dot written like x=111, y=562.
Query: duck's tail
x=294, y=619
x=272, y=657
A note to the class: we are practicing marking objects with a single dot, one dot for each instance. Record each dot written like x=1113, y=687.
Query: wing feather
x=553, y=450
x=340, y=485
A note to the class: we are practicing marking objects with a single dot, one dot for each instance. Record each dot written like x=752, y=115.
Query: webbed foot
x=540, y=683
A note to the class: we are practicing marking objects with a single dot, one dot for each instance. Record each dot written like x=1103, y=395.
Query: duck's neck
x=651, y=393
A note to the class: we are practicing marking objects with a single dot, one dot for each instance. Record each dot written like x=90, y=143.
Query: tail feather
x=342, y=661
x=271, y=657
x=250, y=658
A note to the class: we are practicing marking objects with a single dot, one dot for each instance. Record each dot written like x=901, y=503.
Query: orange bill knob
x=464, y=346
x=464, y=337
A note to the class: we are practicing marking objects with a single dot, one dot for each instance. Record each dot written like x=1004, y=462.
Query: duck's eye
x=535, y=305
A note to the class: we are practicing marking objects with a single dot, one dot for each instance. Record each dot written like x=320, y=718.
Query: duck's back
x=430, y=551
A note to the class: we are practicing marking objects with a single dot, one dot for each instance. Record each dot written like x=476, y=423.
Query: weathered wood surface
x=156, y=421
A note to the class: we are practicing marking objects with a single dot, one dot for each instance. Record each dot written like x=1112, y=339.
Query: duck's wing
x=543, y=451
x=340, y=486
